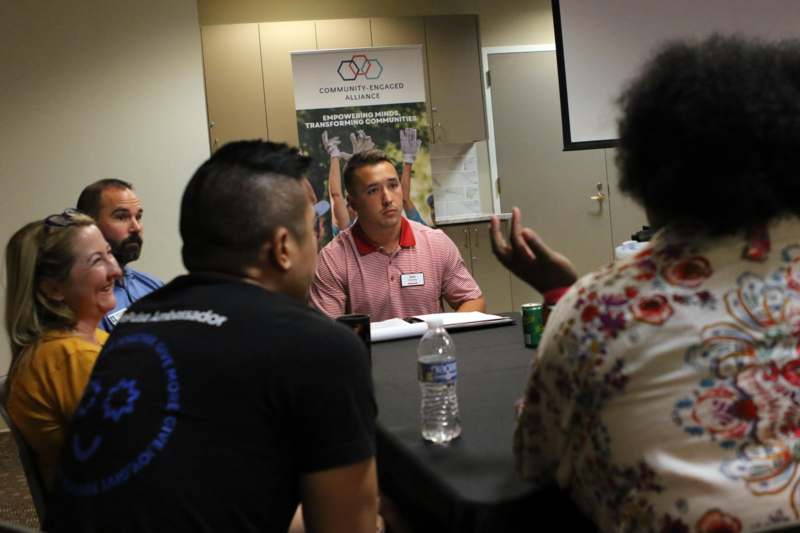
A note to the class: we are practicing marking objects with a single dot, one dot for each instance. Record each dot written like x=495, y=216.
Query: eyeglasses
x=62, y=220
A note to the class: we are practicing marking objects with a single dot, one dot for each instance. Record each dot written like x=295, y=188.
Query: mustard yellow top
x=47, y=386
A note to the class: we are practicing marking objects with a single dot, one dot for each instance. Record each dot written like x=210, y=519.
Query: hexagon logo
x=374, y=70
x=361, y=62
x=359, y=65
x=348, y=70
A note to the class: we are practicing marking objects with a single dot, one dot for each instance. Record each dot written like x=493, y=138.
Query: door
x=455, y=78
x=553, y=188
x=277, y=40
x=234, y=88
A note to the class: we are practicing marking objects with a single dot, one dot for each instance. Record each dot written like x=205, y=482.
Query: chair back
x=28, y=459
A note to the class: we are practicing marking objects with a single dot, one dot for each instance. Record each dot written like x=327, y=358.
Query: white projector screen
x=601, y=45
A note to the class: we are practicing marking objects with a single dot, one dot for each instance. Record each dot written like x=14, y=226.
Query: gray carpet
x=16, y=506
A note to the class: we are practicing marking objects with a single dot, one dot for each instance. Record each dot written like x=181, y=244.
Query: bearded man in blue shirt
x=118, y=213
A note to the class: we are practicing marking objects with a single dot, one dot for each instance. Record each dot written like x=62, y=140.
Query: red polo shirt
x=353, y=276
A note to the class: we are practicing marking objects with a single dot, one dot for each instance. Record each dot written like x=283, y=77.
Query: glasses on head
x=62, y=220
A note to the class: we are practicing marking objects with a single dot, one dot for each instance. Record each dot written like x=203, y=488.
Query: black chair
x=28, y=459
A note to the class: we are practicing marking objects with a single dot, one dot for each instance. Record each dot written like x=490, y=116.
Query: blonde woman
x=60, y=281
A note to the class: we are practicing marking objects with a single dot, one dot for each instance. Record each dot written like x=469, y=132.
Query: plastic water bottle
x=438, y=371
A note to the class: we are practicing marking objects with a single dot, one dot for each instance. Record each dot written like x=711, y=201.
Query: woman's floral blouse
x=665, y=395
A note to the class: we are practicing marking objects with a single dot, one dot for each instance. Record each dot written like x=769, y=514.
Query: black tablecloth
x=471, y=484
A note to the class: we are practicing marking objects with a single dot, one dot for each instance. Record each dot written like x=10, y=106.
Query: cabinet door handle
x=439, y=132
x=600, y=197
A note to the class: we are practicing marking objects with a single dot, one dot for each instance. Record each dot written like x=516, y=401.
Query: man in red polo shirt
x=384, y=265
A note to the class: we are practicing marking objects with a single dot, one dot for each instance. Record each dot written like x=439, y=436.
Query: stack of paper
x=399, y=328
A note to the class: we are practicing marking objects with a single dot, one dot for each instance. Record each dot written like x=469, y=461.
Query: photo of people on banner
x=331, y=136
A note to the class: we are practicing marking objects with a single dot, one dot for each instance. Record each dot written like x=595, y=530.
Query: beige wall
x=100, y=88
x=502, y=22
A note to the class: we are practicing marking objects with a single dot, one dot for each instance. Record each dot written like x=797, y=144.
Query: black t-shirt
x=207, y=404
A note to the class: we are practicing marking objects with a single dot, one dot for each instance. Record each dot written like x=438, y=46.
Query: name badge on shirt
x=115, y=316
x=412, y=280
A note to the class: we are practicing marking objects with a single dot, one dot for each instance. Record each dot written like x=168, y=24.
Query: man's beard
x=126, y=250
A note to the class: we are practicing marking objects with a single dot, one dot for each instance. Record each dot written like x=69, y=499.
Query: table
x=471, y=484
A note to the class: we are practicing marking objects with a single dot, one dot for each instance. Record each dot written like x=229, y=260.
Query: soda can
x=532, y=324
x=546, y=310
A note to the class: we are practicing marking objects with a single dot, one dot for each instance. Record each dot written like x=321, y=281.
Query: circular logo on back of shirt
x=125, y=418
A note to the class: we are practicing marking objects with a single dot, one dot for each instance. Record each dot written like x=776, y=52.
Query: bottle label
x=445, y=372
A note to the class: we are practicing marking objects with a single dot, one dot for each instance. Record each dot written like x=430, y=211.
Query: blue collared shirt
x=131, y=287
x=413, y=214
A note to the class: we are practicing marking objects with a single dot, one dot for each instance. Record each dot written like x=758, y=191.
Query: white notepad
x=399, y=328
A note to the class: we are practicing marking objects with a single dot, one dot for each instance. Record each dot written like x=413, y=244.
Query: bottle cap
x=434, y=322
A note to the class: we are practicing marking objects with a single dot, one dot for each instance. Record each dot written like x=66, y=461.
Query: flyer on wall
x=352, y=100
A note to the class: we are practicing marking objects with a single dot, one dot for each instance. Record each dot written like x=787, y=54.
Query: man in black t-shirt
x=222, y=401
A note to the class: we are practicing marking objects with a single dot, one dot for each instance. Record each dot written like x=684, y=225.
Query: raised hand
x=527, y=256
x=332, y=146
x=361, y=142
x=409, y=144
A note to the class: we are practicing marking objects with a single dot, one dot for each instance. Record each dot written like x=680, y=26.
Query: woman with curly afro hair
x=665, y=394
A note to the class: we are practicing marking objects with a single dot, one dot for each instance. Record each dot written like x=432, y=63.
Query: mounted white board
x=602, y=44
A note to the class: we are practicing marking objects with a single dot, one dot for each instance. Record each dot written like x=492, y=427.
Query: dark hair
x=710, y=133
x=237, y=199
x=367, y=158
x=89, y=200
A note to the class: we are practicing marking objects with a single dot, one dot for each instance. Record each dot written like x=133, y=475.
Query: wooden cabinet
x=454, y=75
x=459, y=234
x=493, y=278
x=343, y=33
x=248, y=72
x=277, y=40
x=403, y=31
x=234, y=87
x=397, y=31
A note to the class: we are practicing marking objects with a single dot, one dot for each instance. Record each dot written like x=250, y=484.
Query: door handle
x=600, y=196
